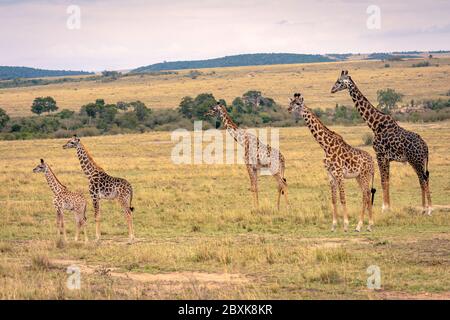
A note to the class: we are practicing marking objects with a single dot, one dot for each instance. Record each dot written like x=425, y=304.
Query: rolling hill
x=240, y=60
x=7, y=73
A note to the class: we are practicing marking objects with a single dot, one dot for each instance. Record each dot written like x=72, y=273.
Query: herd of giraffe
x=342, y=161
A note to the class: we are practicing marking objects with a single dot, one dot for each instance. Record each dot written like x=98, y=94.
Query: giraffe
x=342, y=161
x=65, y=200
x=103, y=186
x=257, y=155
x=391, y=142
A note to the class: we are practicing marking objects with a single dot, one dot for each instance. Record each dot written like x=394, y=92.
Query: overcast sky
x=126, y=34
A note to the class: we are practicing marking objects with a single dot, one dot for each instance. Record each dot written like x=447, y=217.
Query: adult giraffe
x=341, y=161
x=103, y=186
x=257, y=155
x=391, y=142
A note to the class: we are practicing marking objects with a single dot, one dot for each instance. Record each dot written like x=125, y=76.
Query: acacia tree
x=388, y=99
x=140, y=109
x=186, y=107
x=43, y=104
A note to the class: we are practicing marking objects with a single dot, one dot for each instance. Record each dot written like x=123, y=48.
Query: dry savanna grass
x=198, y=236
x=277, y=81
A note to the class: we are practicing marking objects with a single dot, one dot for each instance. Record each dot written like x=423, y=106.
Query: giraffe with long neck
x=103, y=186
x=391, y=142
x=341, y=161
x=64, y=199
x=257, y=155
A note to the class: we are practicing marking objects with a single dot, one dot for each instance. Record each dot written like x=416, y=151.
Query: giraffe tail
x=131, y=200
x=373, y=190
x=284, y=184
x=283, y=179
x=427, y=173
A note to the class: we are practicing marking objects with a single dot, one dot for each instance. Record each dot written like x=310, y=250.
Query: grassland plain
x=314, y=80
x=198, y=236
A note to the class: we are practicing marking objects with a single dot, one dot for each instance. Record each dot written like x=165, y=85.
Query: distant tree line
x=235, y=61
x=25, y=72
x=106, y=76
x=252, y=109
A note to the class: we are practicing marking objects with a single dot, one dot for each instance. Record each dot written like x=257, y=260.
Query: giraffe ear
x=346, y=72
x=42, y=161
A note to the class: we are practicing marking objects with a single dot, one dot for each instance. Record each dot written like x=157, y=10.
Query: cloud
x=119, y=35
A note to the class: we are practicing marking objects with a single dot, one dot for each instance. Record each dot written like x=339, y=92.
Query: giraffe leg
x=369, y=209
x=343, y=202
x=58, y=224
x=252, y=172
x=63, y=228
x=77, y=230
x=383, y=165
x=364, y=183
x=96, y=203
x=278, y=199
x=424, y=186
x=128, y=216
x=282, y=189
x=130, y=226
x=430, y=205
x=361, y=184
x=80, y=223
x=282, y=181
x=333, y=186
x=424, y=203
x=83, y=223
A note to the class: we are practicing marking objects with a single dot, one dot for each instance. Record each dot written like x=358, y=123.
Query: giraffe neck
x=88, y=164
x=371, y=115
x=53, y=181
x=320, y=132
x=229, y=125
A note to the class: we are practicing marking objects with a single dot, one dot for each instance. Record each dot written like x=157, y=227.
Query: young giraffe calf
x=103, y=186
x=342, y=161
x=65, y=200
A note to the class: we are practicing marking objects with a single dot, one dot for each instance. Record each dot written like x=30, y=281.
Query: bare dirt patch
x=208, y=279
x=333, y=242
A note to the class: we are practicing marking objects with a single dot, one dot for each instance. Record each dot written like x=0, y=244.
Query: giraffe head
x=42, y=167
x=214, y=110
x=72, y=143
x=342, y=82
x=296, y=104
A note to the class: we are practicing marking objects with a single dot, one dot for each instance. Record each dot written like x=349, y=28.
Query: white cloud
x=119, y=35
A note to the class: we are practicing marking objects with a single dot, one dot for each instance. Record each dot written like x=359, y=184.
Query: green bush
x=4, y=118
x=368, y=139
x=87, y=132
